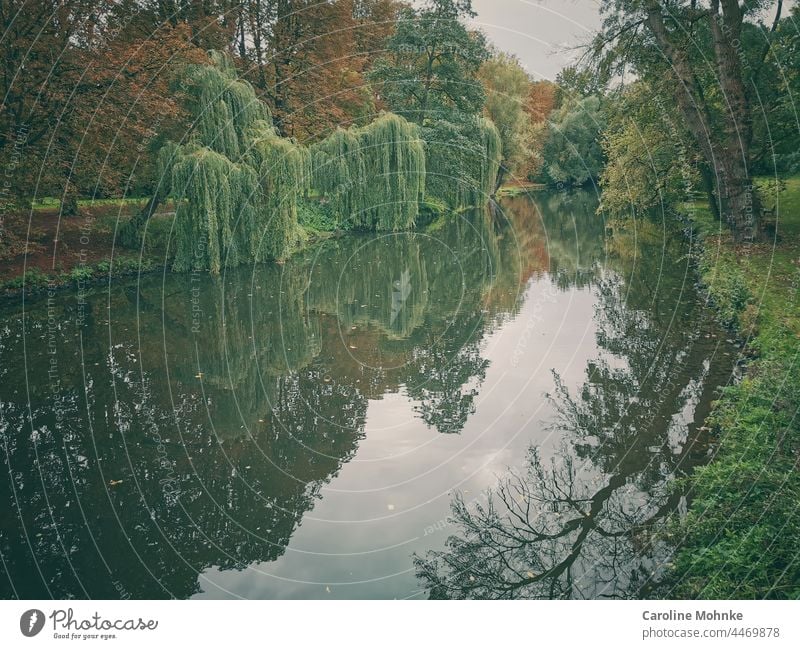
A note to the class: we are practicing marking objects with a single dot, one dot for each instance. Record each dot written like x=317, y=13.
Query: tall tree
x=507, y=89
x=572, y=151
x=432, y=61
x=84, y=83
x=541, y=100
x=650, y=160
x=307, y=58
x=429, y=75
x=686, y=40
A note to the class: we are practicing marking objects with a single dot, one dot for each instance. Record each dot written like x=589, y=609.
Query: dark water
x=300, y=431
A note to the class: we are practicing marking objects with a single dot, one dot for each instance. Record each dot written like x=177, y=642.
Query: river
x=301, y=430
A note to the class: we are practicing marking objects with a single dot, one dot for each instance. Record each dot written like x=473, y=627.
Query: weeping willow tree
x=225, y=108
x=211, y=191
x=373, y=176
x=284, y=170
x=462, y=161
x=234, y=180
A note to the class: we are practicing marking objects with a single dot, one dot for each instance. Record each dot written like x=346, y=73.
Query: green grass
x=36, y=281
x=740, y=536
x=33, y=280
x=54, y=203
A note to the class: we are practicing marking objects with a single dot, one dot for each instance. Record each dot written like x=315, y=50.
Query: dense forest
x=244, y=111
x=668, y=98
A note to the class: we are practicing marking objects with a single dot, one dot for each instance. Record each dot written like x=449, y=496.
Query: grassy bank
x=741, y=537
x=48, y=250
x=60, y=252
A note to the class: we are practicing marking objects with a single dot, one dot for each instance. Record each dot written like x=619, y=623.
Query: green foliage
x=648, y=161
x=740, y=535
x=158, y=237
x=572, y=151
x=224, y=107
x=776, y=138
x=236, y=182
x=463, y=160
x=574, y=82
x=727, y=288
x=211, y=190
x=32, y=280
x=431, y=63
x=730, y=76
x=739, y=538
x=372, y=177
x=130, y=265
x=430, y=76
x=283, y=170
x=314, y=216
x=507, y=89
x=81, y=273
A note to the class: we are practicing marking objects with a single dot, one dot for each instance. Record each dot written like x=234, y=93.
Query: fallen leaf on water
x=114, y=483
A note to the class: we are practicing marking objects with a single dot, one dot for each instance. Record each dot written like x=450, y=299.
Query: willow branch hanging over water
x=463, y=160
x=374, y=176
x=235, y=181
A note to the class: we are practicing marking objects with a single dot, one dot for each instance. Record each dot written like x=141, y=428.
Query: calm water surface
x=300, y=431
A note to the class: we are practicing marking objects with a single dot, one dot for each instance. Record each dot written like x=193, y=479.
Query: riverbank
x=739, y=538
x=50, y=253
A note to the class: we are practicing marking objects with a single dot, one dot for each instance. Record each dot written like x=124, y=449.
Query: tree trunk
x=130, y=235
x=739, y=200
x=69, y=203
x=501, y=176
x=741, y=206
x=707, y=177
x=728, y=156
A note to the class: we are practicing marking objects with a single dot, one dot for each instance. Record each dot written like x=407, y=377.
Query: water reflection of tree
x=133, y=487
x=540, y=535
x=205, y=415
x=581, y=523
x=231, y=402
x=446, y=372
x=424, y=292
x=575, y=237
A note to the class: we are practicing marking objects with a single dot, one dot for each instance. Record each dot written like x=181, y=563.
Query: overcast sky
x=538, y=31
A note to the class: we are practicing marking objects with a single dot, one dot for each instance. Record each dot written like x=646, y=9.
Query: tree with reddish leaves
x=86, y=90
